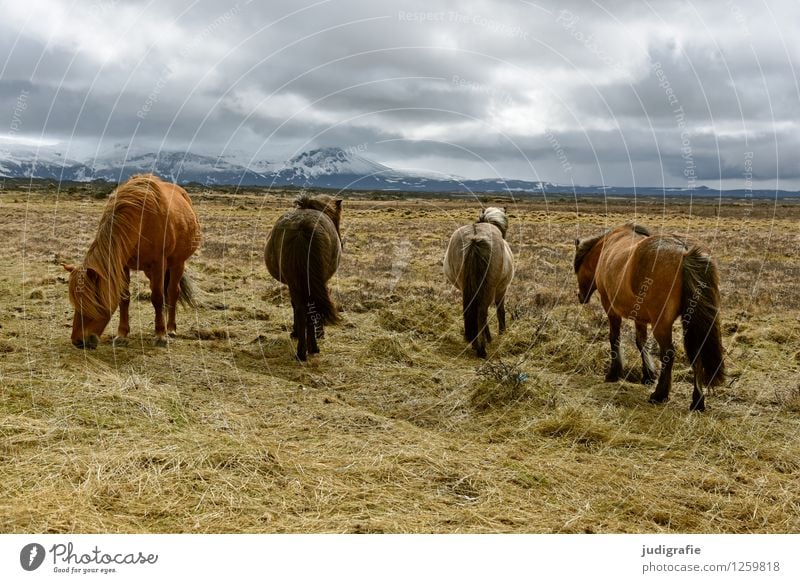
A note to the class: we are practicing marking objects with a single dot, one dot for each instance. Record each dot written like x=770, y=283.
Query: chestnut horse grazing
x=147, y=225
x=655, y=279
x=479, y=262
x=303, y=251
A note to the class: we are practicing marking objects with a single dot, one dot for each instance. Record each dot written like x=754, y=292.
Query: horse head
x=91, y=314
x=495, y=216
x=585, y=267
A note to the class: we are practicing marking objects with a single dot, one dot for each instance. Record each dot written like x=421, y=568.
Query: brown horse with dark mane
x=148, y=225
x=479, y=262
x=303, y=252
x=655, y=279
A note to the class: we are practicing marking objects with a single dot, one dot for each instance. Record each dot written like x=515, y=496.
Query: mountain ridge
x=327, y=167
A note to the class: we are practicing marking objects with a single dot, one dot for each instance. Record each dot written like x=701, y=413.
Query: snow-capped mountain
x=120, y=164
x=330, y=167
x=41, y=163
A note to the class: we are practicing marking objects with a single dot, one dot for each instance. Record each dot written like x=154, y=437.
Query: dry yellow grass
x=393, y=428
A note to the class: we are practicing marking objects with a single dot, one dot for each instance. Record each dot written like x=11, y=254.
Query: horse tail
x=188, y=291
x=475, y=298
x=702, y=338
x=306, y=266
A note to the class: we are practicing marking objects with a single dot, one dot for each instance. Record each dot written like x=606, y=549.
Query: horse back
x=642, y=278
x=161, y=213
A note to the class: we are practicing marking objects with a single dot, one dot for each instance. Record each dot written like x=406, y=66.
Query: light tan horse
x=303, y=251
x=656, y=280
x=147, y=225
x=479, y=262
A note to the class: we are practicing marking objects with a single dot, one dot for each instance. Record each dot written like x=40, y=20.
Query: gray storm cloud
x=631, y=92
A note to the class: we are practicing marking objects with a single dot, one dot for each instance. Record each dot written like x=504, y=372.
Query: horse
x=656, y=279
x=303, y=252
x=147, y=225
x=479, y=262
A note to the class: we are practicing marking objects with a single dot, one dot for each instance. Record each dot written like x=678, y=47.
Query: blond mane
x=117, y=236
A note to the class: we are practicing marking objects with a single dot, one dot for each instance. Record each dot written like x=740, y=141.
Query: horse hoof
x=700, y=406
x=612, y=377
x=172, y=333
x=119, y=341
x=657, y=399
x=160, y=341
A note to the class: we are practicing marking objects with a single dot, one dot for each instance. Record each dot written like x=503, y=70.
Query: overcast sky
x=621, y=93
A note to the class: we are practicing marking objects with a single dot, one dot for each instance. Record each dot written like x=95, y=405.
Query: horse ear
x=338, y=203
x=68, y=266
x=577, y=243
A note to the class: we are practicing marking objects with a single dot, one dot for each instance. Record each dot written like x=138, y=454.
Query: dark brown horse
x=147, y=225
x=303, y=251
x=655, y=279
x=479, y=262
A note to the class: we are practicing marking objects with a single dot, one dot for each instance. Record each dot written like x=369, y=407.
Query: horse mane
x=117, y=236
x=323, y=203
x=584, y=248
x=495, y=216
x=638, y=229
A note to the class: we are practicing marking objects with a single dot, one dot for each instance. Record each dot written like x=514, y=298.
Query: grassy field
x=396, y=426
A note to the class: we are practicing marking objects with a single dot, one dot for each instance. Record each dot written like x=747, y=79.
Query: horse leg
x=501, y=314
x=698, y=398
x=663, y=335
x=124, y=327
x=157, y=298
x=173, y=291
x=615, y=370
x=648, y=372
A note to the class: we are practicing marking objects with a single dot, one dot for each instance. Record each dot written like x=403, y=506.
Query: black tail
x=307, y=281
x=702, y=338
x=475, y=293
x=188, y=291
